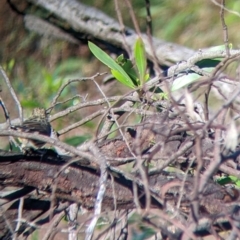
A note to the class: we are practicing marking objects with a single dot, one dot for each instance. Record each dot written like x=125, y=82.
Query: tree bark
x=94, y=24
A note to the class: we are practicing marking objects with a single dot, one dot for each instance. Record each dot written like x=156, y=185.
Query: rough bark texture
x=59, y=180
x=93, y=23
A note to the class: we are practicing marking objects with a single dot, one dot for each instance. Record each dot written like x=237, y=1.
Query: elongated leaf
x=187, y=79
x=219, y=48
x=140, y=59
x=184, y=80
x=108, y=61
x=121, y=78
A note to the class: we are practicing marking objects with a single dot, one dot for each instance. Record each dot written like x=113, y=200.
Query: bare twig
x=68, y=83
x=6, y=114
x=226, y=9
x=122, y=29
x=53, y=225
x=150, y=38
x=89, y=104
x=14, y=95
x=133, y=17
x=49, y=140
x=200, y=55
x=225, y=29
x=101, y=191
x=20, y=211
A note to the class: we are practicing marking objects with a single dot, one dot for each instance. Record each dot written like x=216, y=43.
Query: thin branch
x=8, y=121
x=200, y=55
x=101, y=191
x=90, y=104
x=68, y=83
x=149, y=18
x=150, y=38
x=225, y=29
x=122, y=29
x=49, y=140
x=14, y=95
x=226, y=9
x=133, y=17
x=20, y=213
x=53, y=225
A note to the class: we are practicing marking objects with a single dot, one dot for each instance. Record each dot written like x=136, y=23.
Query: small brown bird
x=37, y=123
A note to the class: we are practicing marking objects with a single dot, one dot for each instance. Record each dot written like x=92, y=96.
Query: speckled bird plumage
x=37, y=123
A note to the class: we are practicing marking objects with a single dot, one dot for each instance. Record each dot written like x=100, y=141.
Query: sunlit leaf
x=163, y=95
x=147, y=77
x=229, y=179
x=140, y=59
x=186, y=79
x=127, y=66
x=219, y=47
x=235, y=180
x=122, y=76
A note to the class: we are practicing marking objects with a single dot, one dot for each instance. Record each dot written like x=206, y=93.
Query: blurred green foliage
x=37, y=67
x=45, y=83
x=140, y=231
x=195, y=24
x=145, y=233
x=47, y=63
x=77, y=140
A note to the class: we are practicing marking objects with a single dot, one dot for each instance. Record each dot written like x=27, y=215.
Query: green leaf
x=122, y=76
x=206, y=65
x=77, y=140
x=11, y=64
x=229, y=179
x=184, y=80
x=224, y=180
x=127, y=66
x=140, y=59
x=220, y=47
x=235, y=180
x=147, y=77
x=187, y=79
